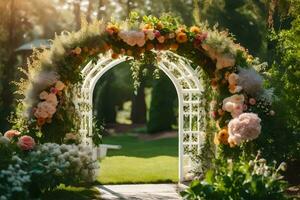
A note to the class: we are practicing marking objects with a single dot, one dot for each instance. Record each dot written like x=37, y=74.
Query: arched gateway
x=60, y=81
x=189, y=91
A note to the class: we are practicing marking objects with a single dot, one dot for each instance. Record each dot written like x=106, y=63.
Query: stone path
x=139, y=192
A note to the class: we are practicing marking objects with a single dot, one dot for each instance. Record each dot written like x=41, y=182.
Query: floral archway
x=233, y=96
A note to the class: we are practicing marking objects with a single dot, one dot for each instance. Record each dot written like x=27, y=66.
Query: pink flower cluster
x=25, y=142
x=245, y=127
x=47, y=107
x=133, y=38
x=234, y=104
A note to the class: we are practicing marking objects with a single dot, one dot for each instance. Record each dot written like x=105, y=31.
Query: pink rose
x=252, y=101
x=26, y=143
x=11, y=133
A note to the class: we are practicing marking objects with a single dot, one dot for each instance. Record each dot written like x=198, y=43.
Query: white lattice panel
x=189, y=91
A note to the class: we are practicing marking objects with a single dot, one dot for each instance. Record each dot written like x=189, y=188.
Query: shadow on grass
x=72, y=193
x=132, y=146
x=137, y=182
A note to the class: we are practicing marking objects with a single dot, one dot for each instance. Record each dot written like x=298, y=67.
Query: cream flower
x=233, y=79
x=59, y=85
x=234, y=105
x=43, y=95
x=150, y=34
x=224, y=61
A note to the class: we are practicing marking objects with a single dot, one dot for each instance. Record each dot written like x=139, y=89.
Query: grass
x=140, y=161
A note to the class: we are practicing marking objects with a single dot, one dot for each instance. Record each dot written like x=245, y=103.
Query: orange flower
x=106, y=46
x=115, y=55
x=159, y=26
x=111, y=29
x=147, y=26
x=41, y=121
x=180, y=30
x=161, y=39
x=174, y=47
x=214, y=83
x=181, y=37
x=222, y=137
x=226, y=76
x=77, y=50
x=149, y=46
x=129, y=52
x=195, y=29
x=160, y=46
x=232, y=89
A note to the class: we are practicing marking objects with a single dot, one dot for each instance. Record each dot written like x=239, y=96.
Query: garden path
x=139, y=192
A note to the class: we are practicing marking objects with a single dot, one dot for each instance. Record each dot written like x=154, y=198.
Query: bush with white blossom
x=27, y=169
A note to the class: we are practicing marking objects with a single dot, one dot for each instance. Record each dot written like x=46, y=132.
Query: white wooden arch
x=189, y=90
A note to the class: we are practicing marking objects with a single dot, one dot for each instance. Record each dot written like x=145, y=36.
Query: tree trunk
x=77, y=14
x=8, y=69
x=139, y=110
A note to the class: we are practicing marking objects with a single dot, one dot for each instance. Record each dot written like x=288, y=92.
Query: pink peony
x=11, y=133
x=26, y=143
x=245, y=127
x=133, y=38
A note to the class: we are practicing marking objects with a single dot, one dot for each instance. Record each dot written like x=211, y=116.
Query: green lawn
x=140, y=161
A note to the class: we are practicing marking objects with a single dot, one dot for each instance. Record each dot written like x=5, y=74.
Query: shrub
x=26, y=174
x=239, y=180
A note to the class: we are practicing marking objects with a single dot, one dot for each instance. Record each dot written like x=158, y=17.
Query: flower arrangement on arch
x=48, y=105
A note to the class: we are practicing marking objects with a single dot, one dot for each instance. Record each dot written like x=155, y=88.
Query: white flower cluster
x=13, y=180
x=67, y=161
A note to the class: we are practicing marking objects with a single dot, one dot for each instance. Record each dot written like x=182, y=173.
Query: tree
x=161, y=114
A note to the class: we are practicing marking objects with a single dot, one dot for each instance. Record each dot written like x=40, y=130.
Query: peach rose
x=26, y=143
x=11, y=133
x=52, y=99
x=43, y=95
x=60, y=85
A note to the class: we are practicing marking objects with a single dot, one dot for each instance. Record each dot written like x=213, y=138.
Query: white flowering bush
x=68, y=164
x=14, y=181
x=27, y=173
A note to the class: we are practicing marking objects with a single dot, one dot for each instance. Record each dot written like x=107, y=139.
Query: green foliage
x=239, y=180
x=282, y=133
x=98, y=132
